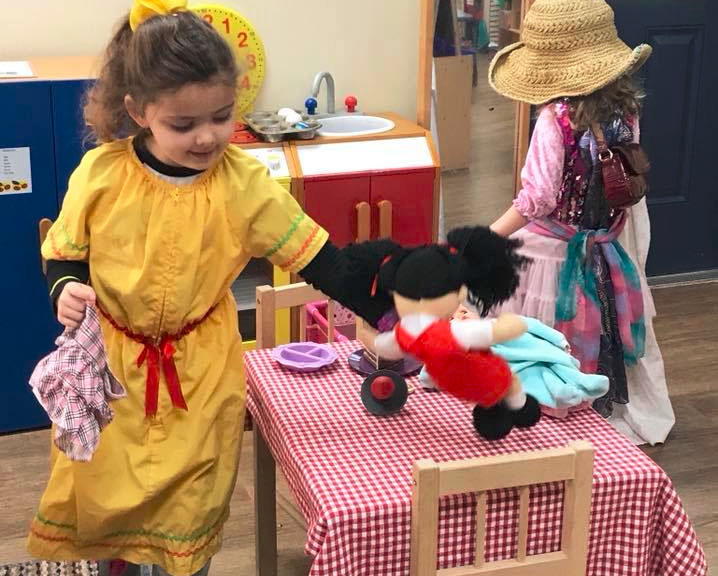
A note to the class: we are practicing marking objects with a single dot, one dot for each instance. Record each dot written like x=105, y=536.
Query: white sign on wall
x=15, y=176
x=16, y=70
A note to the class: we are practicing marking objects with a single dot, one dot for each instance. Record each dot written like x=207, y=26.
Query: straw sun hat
x=567, y=48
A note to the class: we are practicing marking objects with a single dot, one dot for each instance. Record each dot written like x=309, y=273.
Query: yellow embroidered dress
x=161, y=256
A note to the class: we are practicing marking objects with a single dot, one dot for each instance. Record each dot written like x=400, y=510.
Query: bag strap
x=604, y=152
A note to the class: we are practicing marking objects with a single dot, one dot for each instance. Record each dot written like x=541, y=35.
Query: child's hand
x=71, y=304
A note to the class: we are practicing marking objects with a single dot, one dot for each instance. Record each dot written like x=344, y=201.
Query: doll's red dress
x=478, y=376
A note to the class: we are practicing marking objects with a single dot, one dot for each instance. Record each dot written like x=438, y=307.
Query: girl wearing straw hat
x=587, y=276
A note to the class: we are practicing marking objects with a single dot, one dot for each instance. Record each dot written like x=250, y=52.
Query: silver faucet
x=330, y=89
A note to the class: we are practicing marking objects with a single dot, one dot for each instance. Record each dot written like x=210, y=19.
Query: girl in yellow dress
x=158, y=221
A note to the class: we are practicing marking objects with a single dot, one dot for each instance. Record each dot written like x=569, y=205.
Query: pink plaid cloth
x=74, y=385
x=350, y=473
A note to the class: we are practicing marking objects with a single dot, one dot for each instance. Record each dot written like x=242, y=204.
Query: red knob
x=351, y=103
x=382, y=387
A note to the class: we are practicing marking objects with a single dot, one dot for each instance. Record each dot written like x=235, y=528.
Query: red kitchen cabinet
x=409, y=196
x=332, y=201
x=371, y=189
x=400, y=203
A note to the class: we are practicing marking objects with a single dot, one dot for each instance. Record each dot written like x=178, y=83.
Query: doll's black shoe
x=528, y=414
x=493, y=423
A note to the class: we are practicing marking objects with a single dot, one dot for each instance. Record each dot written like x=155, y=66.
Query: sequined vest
x=581, y=201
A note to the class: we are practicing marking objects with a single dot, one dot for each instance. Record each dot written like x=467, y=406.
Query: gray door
x=679, y=128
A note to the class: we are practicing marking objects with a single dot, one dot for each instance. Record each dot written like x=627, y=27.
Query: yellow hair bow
x=143, y=9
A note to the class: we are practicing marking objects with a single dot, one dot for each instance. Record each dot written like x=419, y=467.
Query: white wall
x=370, y=46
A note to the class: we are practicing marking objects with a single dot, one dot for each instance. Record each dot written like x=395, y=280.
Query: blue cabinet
x=69, y=132
x=28, y=324
x=46, y=117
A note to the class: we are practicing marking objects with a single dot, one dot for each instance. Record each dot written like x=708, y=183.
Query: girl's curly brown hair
x=163, y=54
x=622, y=97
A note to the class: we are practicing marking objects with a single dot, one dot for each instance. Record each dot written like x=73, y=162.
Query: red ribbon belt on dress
x=159, y=356
x=155, y=356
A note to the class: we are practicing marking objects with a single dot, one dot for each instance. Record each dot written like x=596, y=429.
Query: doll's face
x=442, y=307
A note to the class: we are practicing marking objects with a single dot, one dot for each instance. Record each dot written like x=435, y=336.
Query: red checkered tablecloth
x=350, y=473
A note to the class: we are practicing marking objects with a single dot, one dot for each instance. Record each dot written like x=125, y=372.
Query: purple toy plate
x=304, y=356
x=360, y=363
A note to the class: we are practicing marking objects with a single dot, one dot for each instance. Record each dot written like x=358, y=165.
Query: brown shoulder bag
x=623, y=168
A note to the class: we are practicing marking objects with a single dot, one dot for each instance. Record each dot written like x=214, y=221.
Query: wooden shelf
x=510, y=23
x=66, y=68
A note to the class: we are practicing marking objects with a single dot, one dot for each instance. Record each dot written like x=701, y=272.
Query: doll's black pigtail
x=387, y=276
x=492, y=265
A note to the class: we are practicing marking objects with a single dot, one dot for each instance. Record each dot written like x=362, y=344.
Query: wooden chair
x=43, y=228
x=572, y=464
x=270, y=300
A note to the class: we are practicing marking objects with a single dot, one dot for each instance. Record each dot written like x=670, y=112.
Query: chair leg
x=265, y=507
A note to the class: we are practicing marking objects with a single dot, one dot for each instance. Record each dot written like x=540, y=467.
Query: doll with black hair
x=427, y=285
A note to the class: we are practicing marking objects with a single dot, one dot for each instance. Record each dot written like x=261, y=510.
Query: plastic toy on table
x=304, y=356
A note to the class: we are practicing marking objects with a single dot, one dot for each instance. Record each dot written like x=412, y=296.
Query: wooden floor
x=483, y=191
x=687, y=329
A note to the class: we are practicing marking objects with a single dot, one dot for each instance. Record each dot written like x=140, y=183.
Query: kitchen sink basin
x=354, y=125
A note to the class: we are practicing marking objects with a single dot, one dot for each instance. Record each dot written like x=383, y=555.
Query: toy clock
x=246, y=45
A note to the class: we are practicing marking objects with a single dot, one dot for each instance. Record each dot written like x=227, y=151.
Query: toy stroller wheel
x=384, y=392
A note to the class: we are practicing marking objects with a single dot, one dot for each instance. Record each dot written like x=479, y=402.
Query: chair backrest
x=270, y=299
x=573, y=465
x=43, y=228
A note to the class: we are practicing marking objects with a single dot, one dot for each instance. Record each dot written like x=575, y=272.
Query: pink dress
x=648, y=417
